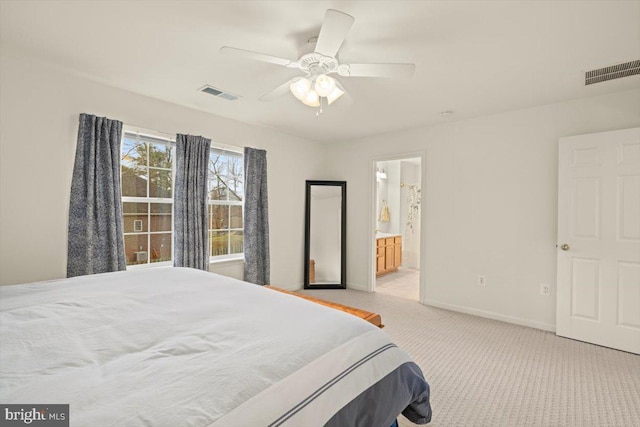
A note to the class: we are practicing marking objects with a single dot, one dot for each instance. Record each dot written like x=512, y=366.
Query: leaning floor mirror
x=325, y=241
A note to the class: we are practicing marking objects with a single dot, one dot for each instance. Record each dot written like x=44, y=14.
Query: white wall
x=489, y=202
x=39, y=110
x=389, y=192
x=381, y=196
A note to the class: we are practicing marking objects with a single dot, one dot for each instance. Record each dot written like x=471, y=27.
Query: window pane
x=134, y=182
x=218, y=164
x=217, y=188
x=161, y=208
x=160, y=156
x=235, y=178
x=134, y=167
x=219, y=217
x=235, y=166
x=135, y=217
x=160, y=217
x=134, y=208
x=236, y=242
x=135, y=247
x=161, y=247
x=236, y=188
x=134, y=153
x=160, y=183
x=236, y=217
x=219, y=241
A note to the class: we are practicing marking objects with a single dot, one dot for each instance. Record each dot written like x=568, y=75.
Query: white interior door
x=598, y=283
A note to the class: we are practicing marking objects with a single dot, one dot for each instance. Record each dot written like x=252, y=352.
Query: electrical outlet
x=482, y=280
x=545, y=289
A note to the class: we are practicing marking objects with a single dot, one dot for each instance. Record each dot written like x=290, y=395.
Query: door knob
x=564, y=247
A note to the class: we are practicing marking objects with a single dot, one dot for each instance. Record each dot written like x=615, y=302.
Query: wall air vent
x=219, y=93
x=613, y=72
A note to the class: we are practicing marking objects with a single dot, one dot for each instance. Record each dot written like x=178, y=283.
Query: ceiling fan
x=319, y=60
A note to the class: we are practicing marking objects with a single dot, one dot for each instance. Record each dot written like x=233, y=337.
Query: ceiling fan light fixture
x=324, y=85
x=335, y=94
x=300, y=88
x=311, y=99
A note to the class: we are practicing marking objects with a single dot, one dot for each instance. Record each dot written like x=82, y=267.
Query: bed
x=182, y=347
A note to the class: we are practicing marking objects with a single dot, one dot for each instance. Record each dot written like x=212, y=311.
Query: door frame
x=373, y=216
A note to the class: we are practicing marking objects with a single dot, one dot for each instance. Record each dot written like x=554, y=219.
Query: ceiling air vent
x=219, y=93
x=613, y=72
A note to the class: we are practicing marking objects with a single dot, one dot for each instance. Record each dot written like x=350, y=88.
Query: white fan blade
x=258, y=56
x=334, y=29
x=279, y=91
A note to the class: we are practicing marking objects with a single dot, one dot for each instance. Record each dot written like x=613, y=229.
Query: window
x=226, y=186
x=147, y=200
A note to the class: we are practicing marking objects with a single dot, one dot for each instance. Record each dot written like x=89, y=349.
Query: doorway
x=396, y=215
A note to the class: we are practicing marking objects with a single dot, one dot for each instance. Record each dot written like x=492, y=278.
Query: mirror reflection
x=325, y=234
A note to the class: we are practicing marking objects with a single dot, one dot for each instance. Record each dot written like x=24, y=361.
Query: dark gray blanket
x=404, y=390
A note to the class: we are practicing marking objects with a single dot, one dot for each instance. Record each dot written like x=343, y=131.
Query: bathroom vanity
x=388, y=253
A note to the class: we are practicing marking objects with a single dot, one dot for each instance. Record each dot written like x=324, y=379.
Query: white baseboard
x=492, y=315
x=362, y=288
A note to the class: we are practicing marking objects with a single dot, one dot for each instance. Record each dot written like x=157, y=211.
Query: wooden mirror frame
x=343, y=236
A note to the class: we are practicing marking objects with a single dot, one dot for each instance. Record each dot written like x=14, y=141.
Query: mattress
x=183, y=347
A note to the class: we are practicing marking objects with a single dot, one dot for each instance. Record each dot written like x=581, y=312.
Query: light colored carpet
x=484, y=372
x=404, y=283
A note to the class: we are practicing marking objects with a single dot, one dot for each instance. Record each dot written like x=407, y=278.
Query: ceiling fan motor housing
x=315, y=62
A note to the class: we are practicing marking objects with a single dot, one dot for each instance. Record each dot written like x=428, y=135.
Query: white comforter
x=166, y=347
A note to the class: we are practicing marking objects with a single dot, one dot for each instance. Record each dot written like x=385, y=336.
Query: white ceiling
x=472, y=57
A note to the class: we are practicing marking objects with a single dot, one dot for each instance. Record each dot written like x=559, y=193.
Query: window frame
x=171, y=143
x=226, y=150
x=168, y=142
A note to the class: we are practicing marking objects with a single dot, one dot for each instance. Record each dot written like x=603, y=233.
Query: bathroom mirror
x=325, y=235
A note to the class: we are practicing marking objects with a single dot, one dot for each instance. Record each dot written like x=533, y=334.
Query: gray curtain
x=191, y=242
x=95, y=239
x=256, y=217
